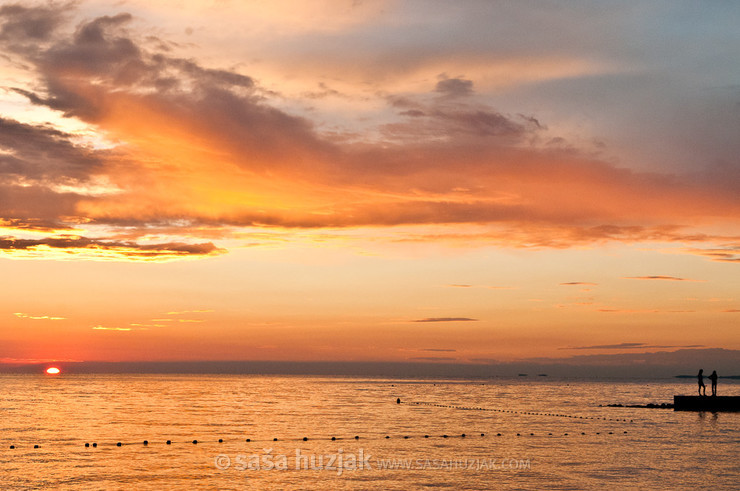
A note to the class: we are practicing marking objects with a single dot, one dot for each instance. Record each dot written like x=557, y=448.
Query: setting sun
x=53, y=370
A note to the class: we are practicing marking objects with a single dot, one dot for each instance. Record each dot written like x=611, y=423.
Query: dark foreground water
x=533, y=433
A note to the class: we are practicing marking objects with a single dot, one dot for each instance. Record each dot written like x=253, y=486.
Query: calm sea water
x=604, y=446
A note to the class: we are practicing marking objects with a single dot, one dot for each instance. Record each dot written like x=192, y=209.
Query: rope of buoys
x=149, y=443
x=511, y=411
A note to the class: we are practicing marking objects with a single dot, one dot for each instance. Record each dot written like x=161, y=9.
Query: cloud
x=21, y=315
x=30, y=361
x=578, y=283
x=104, y=328
x=445, y=319
x=29, y=24
x=627, y=346
x=454, y=87
x=725, y=360
x=433, y=358
x=182, y=312
x=40, y=154
x=107, y=248
x=668, y=278
x=729, y=253
x=438, y=349
x=643, y=311
x=482, y=286
x=195, y=146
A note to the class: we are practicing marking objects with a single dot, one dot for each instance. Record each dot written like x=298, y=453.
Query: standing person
x=713, y=377
x=700, y=378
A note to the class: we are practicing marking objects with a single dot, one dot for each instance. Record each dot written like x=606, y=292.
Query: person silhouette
x=700, y=378
x=713, y=377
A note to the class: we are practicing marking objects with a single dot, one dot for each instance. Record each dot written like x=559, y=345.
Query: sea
x=166, y=432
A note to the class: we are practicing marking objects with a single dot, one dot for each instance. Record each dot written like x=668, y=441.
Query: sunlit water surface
x=604, y=446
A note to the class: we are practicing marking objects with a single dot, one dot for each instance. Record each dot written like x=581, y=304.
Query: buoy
x=406, y=437
x=305, y=439
x=249, y=440
x=398, y=401
x=498, y=434
x=169, y=442
x=333, y=438
x=12, y=447
x=444, y=436
x=357, y=437
x=426, y=436
x=220, y=440
x=87, y=445
x=463, y=435
x=387, y=437
x=35, y=446
x=195, y=442
x=482, y=434
x=95, y=444
x=118, y=444
x=146, y=442
x=274, y=439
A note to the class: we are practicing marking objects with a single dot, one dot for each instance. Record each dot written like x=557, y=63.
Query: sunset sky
x=465, y=182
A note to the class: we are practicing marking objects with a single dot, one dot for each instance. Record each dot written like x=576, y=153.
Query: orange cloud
x=201, y=147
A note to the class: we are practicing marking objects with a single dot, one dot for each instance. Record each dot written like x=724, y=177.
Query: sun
x=53, y=370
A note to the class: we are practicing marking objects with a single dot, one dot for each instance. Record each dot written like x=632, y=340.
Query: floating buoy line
x=511, y=411
x=147, y=443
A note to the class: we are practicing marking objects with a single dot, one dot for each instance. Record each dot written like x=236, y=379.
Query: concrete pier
x=706, y=403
